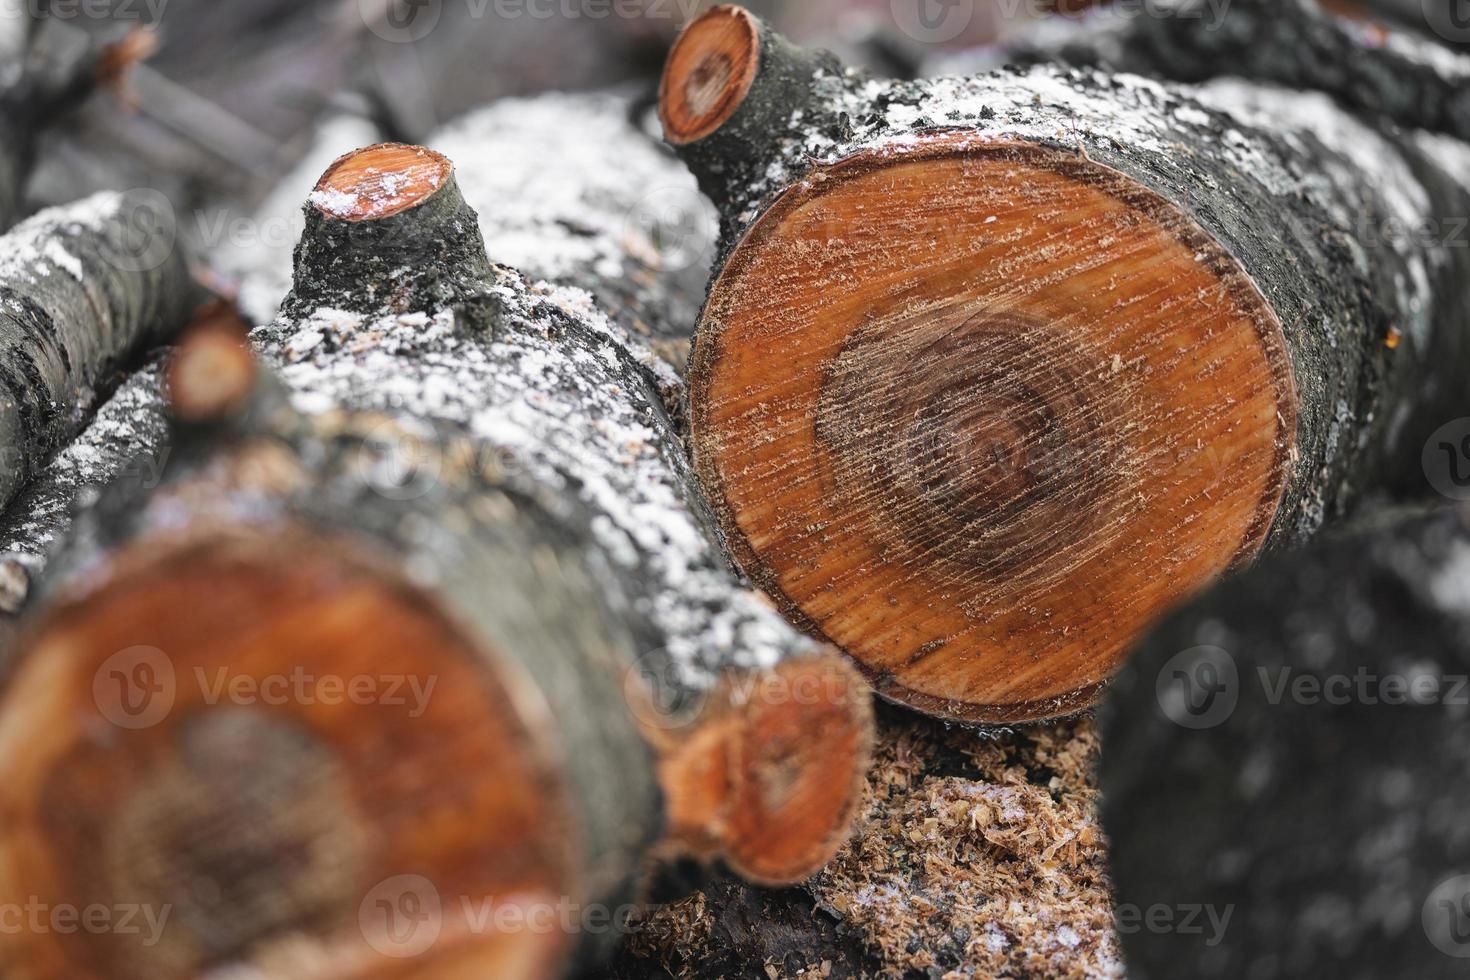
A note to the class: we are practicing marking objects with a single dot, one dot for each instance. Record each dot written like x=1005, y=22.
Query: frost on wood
x=1377, y=68
x=978, y=856
x=551, y=381
x=125, y=440
x=83, y=288
x=1224, y=777
x=571, y=190
x=257, y=254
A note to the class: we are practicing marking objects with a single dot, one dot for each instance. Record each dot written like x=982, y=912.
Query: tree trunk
x=978, y=856
x=480, y=493
x=84, y=289
x=1224, y=781
x=1373, y=66
x=993, y=371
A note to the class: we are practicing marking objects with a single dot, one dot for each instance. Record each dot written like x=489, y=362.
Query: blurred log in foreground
x=465, y=488
x=1289, y=753
x=995, y=370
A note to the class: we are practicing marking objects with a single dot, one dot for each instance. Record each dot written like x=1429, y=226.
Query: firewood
x=1288, y=753
x=599, y=672
x=84, y=288
x=573, y=190
x=1371, y=65
x=995, y=370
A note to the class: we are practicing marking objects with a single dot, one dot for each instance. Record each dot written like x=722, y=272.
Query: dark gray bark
x=82, y=290
x=1290, y=750
x=1313, y=204
x=1379, y=69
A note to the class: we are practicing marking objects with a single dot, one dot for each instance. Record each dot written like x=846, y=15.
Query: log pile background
x=542, y=323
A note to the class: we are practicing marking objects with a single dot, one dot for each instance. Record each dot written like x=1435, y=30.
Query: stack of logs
x=992, y=373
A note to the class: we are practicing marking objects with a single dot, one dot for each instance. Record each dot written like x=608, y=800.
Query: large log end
x=282, y=759
x=977, y=411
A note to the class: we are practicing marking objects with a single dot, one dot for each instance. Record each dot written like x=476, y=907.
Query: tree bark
x=84, y=289
x=1224, y=782
x=1374, y=66
x=491, y=485
x=573, y=190
x=983, y=355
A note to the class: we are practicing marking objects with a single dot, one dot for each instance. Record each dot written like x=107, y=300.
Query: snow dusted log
x=82, y=289
x=1374, y=66
x=484, y=499
x=573, y=190
x=1224, y=785
x=994, y=370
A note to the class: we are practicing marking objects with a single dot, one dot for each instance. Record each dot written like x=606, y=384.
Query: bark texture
x=574, y=190
x=1225, y=781
x=82, y=290
x=1376, y=68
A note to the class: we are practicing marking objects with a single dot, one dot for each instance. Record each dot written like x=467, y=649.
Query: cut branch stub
x=710, y=73
x=996, y=370
x=387, y=231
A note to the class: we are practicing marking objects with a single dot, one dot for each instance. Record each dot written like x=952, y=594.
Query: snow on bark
x=83, y=289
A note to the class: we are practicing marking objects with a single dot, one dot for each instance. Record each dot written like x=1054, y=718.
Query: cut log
x=995, y=370
x=82, y=289
x=571, y=189
x=481, y=496
x=1373, y=65
x=1224, y=782
x=977, y=857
